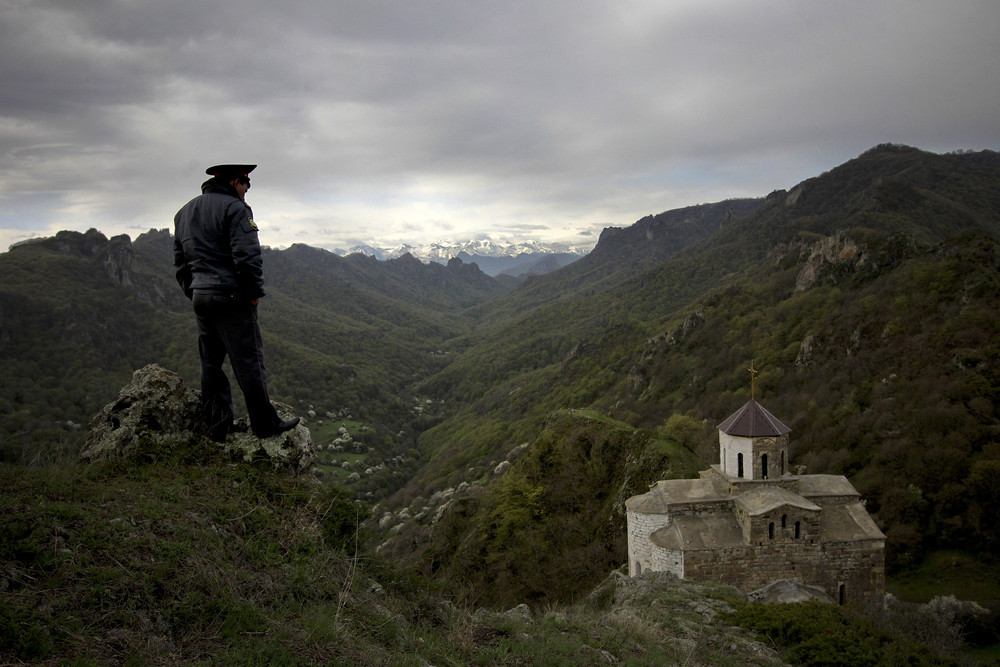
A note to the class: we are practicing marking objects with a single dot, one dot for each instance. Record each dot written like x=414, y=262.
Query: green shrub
x=814, y=633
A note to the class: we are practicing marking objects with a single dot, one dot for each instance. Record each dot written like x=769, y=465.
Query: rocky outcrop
x=827, y=254
x=120, y=266
x=654, y=238
x=155, y=414
x=697, y=628
x=89, y=244
x=839, y=257
x=120, y=262
x=807, y=350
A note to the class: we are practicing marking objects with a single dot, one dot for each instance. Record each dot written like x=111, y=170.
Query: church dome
x=753, y=421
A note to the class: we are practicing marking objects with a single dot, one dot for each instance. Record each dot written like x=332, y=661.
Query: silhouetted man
x=219, y=266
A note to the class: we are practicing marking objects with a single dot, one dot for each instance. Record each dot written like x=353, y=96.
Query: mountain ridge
x=868, y=296
x=852, y=290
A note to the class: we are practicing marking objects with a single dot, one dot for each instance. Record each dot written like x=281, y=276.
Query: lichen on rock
x=155, y=411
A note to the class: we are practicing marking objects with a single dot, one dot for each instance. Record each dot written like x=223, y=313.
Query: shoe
x=280, y=427
x=287, y=424
x=219, y=432
x=219, y=435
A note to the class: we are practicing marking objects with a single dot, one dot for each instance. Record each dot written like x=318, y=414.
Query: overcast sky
x=389, y=121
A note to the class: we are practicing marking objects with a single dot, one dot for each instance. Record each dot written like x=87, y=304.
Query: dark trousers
x=227, y=326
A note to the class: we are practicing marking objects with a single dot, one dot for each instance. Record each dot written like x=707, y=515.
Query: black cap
x=233, y=170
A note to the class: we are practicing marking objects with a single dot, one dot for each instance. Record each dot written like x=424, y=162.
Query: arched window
x=797, y=529
x=763, y=466
x=638, y=567
x=841, y=594
x=724, y=460
x=782, y=471
x=739, y=465
x=770, y=531
x=784, y=520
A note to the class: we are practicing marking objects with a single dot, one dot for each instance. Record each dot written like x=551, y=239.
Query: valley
x=493, y=427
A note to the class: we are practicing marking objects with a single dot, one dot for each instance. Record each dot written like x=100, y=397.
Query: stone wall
x=758, y=529
x=640, y=527
x=668, y=560
x=860, y=568
x=830, y=501
x=775, y=449
x=701, y=508
x=738, y=486
x=857, y=566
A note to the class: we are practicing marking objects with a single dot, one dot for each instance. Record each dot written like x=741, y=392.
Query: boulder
x=292, y=451
x=154, y=405
x=156, y=413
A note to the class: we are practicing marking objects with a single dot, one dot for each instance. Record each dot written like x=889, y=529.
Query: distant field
x=325, y=433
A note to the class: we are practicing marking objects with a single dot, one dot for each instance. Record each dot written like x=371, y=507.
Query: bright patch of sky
x=410, y=122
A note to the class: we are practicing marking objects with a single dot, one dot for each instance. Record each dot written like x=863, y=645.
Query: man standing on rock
x=219, y=266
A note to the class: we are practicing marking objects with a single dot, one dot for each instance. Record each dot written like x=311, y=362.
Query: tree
x=683, y=429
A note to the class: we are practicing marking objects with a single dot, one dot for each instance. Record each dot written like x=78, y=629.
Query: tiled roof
x=753, y=421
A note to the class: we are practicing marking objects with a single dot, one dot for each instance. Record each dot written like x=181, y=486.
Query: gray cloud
x=404, y=121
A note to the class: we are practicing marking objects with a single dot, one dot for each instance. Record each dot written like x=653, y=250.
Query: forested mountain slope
x=79, y=313
x=620, y=253
x=869, y=298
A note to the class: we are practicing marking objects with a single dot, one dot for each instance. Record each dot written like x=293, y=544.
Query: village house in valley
x=749, y=522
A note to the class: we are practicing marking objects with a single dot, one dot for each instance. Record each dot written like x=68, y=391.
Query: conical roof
x=753, y=421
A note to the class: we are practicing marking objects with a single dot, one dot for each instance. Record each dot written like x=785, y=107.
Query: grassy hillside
x=205, y=562
x=197, y=560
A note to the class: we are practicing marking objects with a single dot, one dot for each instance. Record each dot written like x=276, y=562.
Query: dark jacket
x=215, y=244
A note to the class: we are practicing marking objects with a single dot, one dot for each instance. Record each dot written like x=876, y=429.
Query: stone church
x=749, y=522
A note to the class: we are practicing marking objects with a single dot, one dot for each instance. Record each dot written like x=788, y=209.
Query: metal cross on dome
x=753, y=378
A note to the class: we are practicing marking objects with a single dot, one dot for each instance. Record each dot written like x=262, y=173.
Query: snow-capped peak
x=443, y=251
